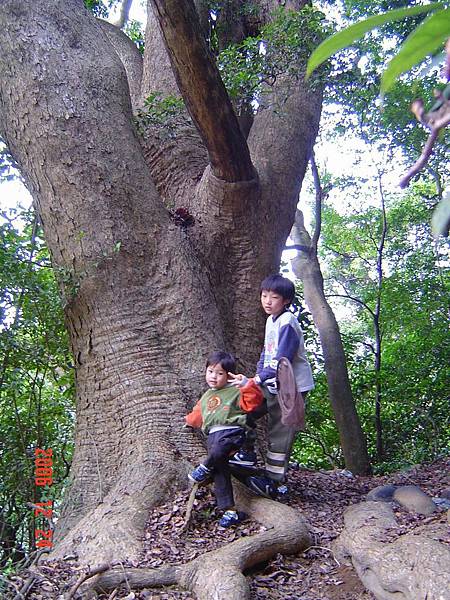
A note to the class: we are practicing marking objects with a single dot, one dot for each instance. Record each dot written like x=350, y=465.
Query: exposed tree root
x=111, y=531
x=396, y=567
x=219, y=574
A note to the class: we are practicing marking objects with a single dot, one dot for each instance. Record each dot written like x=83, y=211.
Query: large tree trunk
x=307, y=268
x=145, y=299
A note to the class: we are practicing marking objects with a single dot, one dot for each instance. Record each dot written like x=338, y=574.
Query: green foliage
x=281, y=49
x=97, y=7
x=6, y=164
x=241, y=67
x=100, y=8
x=392, y=123
x=415, y=348
x=349, y=35
x=36, y=380
x=134, y=31
x=424, y=40
x=165, y=113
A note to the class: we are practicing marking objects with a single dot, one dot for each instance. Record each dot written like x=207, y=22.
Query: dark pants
x=280, y=438
x=220, y=445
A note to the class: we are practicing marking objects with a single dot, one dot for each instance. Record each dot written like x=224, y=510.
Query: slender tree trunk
x=123, y=13
x=378, y=388
x=307, y=268
x=377, y=324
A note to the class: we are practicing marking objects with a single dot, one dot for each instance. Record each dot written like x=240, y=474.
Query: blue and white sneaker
x=263, y=486
x=200, y=474
x=243, y=458
x=229, y=518
x=282, y=492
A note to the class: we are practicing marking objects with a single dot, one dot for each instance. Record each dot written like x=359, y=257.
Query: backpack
x=291, y=401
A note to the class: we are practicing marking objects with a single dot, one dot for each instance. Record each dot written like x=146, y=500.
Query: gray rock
x=414, y=499
x=445, y=493
x=443, y=503
x=382, y=493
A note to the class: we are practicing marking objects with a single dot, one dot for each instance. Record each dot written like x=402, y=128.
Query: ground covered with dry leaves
x=313, y=575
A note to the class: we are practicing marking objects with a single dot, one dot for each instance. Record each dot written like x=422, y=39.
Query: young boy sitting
x=221, y=413
x=283, y=338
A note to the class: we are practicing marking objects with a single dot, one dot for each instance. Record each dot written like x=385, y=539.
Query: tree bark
x=203, y=91
x=412, y=566
x=145, y=300
x=130, y=57
x=131, y=316
x=307, y=268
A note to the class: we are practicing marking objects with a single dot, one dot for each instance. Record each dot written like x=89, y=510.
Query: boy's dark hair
x=280, y=285
x=224, y=359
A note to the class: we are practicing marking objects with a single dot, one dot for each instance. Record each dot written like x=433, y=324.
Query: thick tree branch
x=130, y=57
x=421, y=161
x=307, y=268
x=203, y=91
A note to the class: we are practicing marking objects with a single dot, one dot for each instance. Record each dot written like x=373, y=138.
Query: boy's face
x=216, y=376
x=273, y=303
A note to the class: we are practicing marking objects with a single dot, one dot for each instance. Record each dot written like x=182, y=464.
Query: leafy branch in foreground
x=424, y=40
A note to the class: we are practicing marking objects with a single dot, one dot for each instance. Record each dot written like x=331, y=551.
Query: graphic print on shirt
x=213, y=403
x=271, y=346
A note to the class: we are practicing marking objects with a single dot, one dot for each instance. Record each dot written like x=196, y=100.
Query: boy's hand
x=238, y=380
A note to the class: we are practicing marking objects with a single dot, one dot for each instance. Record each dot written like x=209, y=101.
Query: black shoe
x=244, y=458
x=263, y=486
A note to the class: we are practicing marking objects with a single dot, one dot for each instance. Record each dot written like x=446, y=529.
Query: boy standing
x=283, y=338
x=221, y=413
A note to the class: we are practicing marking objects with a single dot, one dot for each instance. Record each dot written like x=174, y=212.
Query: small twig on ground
x=13, y=585
x=324, y=548
x=45, y=575
x=189, y=507
x=22, y=594
x=95, y=571
x=125, y=577
x=37, y=556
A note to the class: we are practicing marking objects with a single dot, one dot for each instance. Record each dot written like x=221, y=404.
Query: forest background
x=385, y=275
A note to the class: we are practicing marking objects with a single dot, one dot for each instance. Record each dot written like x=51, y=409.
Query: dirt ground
x=313, y=575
